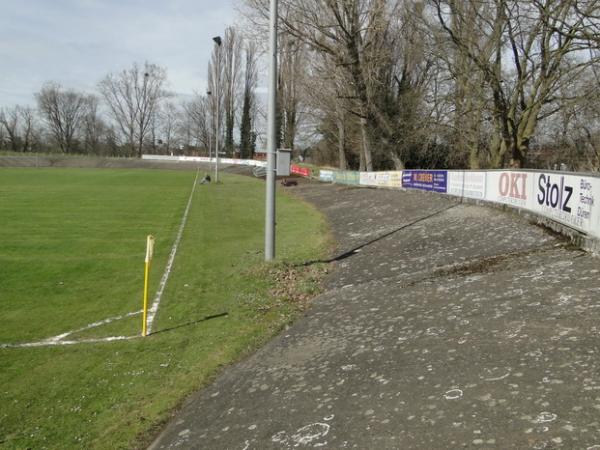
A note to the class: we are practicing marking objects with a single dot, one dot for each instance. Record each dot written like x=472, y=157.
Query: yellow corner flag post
x=149, y=251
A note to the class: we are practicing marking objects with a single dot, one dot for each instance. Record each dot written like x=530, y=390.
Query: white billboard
x=469, y=184
x=569, y=199
x=381, y=179
x=509, y=187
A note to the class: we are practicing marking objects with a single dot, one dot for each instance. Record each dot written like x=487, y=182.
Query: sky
x=77, y=42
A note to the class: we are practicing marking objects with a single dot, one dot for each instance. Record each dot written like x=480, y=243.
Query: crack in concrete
x=482, y=265
x=358, y=248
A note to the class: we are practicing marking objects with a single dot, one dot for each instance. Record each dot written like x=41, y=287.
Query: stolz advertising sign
x=511, y=188
x=567, y=199
x=426, y=180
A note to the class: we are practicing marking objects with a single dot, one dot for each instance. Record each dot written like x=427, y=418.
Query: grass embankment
x=71, y=253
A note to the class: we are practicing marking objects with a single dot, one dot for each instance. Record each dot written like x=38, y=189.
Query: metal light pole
x=271, y=139
x=218, y=42
x=208, y=95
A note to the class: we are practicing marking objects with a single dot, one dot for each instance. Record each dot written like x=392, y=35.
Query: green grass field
x=72, y=244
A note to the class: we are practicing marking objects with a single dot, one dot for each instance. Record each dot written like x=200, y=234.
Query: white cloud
x=77, y=42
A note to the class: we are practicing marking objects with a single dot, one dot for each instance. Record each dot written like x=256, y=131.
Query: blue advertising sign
x=426, y=180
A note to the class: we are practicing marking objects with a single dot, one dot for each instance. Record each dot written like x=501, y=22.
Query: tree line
x=132, y=112
x=363, y=84
x=440, y=83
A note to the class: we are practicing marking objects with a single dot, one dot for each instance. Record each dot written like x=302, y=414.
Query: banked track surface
x=443, y=326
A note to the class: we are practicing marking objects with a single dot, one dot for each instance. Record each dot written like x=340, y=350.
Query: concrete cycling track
x=443, y=325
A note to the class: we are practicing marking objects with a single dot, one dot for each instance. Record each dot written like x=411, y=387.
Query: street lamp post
x=271, y=138
x=208, y=96
x=217, y=40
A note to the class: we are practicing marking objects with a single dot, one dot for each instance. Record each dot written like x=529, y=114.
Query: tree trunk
x=140, y=145
x=229, y=124
x=398, y=163
x=366, y=150
x=343, y=164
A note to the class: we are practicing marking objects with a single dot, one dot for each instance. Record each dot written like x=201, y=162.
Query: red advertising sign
x=302, y=171
x=511, y=188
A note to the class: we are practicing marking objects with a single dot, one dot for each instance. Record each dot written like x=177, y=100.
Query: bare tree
x=439, y=82
x=532, y=50
x=18, y=125
x=367, y=40
x=232, y=59
x=247, y=134
x=572, y=135
x=196, y=124
x=133, y=98
x=467, y=96
x=94, y=127
x=332, y=104
x=3, y=137
x=170, y=119
x=27, y=128
x=292, y=64
x=63, y=110
x=9, y=122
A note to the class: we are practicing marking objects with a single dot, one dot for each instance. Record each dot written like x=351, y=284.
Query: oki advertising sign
x=511, y=188
x=568, y=199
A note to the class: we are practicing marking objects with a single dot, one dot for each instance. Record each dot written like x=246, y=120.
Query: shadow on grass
x=193, y=322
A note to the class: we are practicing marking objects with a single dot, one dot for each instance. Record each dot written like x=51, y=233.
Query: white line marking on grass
x=163, y=281
x=59, y=339
x=48, y=343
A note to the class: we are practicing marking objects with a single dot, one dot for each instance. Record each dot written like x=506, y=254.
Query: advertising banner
x=326, y=175
x=425, y=180
x=468, y=184
x=456, y=179
x=389, y=179
x=394, y=179
x=346, y=177
x=302, y=171
x=568, y=199
x=510, y=188
x=205, y=159
x=368, y=178
x=353, y=177
x=381, y=179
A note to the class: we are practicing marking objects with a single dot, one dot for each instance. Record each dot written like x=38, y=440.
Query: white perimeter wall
x=567, y=198
x=564, y=197
x=205, y=159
